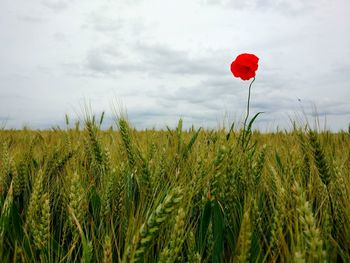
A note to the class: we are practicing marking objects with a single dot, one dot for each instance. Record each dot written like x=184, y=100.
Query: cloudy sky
x=162, y=60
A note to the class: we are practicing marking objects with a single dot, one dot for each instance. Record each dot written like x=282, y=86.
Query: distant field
x=174, y=196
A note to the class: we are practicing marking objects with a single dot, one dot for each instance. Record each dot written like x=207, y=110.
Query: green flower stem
x=246, y=117
x=248, y=104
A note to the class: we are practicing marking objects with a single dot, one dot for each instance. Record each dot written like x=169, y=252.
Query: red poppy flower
x=244, y=66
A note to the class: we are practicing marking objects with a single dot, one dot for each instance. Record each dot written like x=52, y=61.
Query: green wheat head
x=150, y=228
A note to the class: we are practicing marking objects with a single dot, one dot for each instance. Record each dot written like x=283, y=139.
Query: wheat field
x=90, y=195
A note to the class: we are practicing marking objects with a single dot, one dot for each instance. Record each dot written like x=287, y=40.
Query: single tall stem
x=246, y=117
x=248, y=104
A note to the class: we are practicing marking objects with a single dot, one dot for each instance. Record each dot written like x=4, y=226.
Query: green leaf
x=279, y=162
x=252, y=121
x=247, y=133
x=190, y=144
x=218, y=231
x=229, y=132
x=101, y=118
x=95, y=202
x=204, y=224
x=87, y=250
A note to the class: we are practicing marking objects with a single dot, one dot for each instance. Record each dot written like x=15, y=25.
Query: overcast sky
x=164, y=59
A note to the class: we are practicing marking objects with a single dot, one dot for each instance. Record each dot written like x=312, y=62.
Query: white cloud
x=168, y=59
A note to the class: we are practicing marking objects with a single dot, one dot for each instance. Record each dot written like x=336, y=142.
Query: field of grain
x=91, y=195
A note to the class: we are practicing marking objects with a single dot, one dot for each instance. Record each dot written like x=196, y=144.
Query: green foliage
x=174, y=195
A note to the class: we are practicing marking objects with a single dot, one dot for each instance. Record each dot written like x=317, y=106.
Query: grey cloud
x=202, y=93
x=103, y=24
x=55, y=5
x=328, y=108
x=224, y=85
x=109, y=61
x=342, y=69
x=201, y=104
x=273, y=106
x=170, y=109
x=31, y=19
x=213, y=93
x=280, y=101
x=116, y=28
x=14, y=76
x=6, y=96
x=127, y=53
x=99, y=61
x=271, y=103
x=60, y=37
x=220, y=91
x=212, y=2
x=287, y=7
x=162, y=58
x=154, y=59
